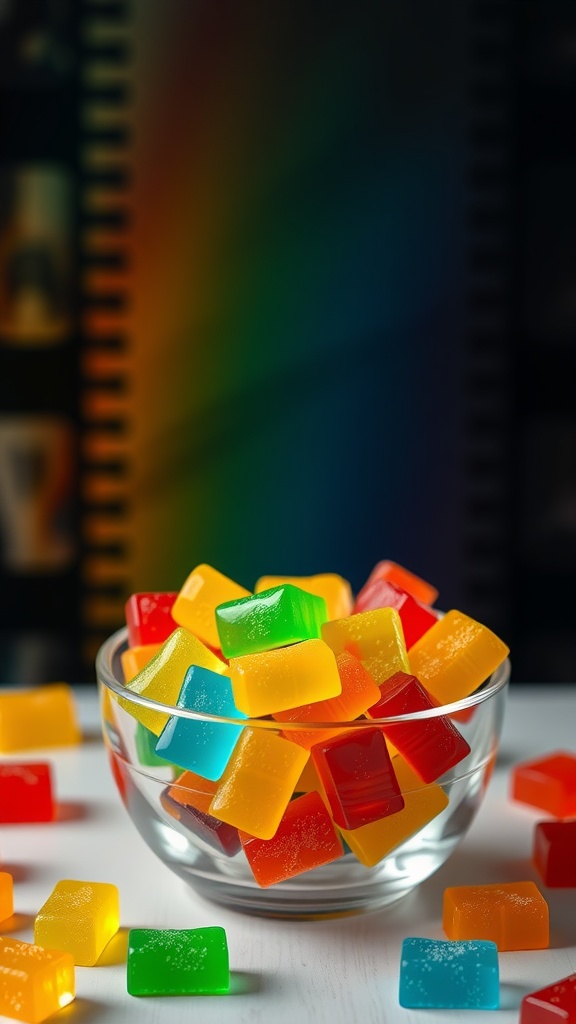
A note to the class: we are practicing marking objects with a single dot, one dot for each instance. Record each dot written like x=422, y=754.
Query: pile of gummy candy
x=300, y=650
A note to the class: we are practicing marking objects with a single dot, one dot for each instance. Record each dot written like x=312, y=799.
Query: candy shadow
x=562, y=917
x=82, y=1011
x=19, y=872
x=116, y=952
x=71, y=810
x=244, y=983
x=512, y=994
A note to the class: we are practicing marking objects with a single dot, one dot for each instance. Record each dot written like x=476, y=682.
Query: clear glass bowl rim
x=105, y=674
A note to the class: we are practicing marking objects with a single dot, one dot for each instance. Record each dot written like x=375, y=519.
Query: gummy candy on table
x=415, y=585
x=371, y=843
x=449, y=975
x=133, y=659
x=554, y=853
x=162, y=677
x=172, y=962
x=204, y=589
x=359, y=692
x=357, y=776
x=270, y=619
x=36, y=982
x=145, y=742
x=188, y=801
x=26, y=793
x=44, y=716
x=514, y=915
x=430, y=745
x=415, y=617
x=335, y=590
x=149, y=618
x=551, y=1004
x=455, y=656
x=547, y=782
x=258, y=782
x=283, y=678
x=305, y=839
x=375, y=637
x=80, y=918
x=202, y=746
x=6, y=896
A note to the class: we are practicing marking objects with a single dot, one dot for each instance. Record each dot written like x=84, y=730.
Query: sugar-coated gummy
x=170, y=962
x=514, y=915
x=149, y=617
x=35, y=982
x=80, y=918
x=335, y=590
x=44, y=716
x=203, y=590
x=449, y=975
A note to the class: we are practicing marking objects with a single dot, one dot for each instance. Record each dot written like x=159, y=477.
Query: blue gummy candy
x=449, y=975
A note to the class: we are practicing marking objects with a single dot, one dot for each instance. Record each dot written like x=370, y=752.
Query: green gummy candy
x=273, y=618
x=145, y=743
x=172, y=962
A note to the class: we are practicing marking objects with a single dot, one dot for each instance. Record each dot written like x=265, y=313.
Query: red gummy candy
x=415, y=617
x=551, y=1005
x=26, y=793
x=356, y=772
x=554, y=853
x=547, y=782
x=149, y=618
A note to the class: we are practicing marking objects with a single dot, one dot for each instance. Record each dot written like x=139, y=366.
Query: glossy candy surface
x=375, y=638
x=26, y=792
x=356, y=772
x=514, y=915
x=430, y=745
x=204, y=589
x=188, y=800
x=149, y=618
x=415, y=617
x=41, y=717
x=553, y=1004
x=305, y=839
x=402, y=577
x=290, y=676
x=455, y=656
x=171, y=962
x=34, y=982
x=547, y=782
x=449, y=975
x=335, y=590
x=201, y=745
x=133, y=659
x=270, y=619
x=80, y=918
x=554, y=853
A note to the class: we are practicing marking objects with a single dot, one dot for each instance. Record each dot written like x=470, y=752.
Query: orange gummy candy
x=514, y=915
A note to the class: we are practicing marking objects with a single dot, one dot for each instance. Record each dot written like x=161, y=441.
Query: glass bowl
x=219, y=870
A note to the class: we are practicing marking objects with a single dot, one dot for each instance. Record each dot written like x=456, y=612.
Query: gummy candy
x=80, y=918
x=170, y=962
x=449, y=975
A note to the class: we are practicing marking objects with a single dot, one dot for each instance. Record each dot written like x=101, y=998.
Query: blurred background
x=286, y=288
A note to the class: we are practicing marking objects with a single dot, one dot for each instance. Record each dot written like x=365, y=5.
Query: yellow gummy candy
x=79, y=918
x=375, y=637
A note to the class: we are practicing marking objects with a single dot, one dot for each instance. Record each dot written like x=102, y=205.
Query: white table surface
x=342, y=971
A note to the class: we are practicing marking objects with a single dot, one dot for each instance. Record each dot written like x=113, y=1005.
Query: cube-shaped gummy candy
x=335, y=590
x=188, y=800
x=305, y=839
x=359, y=692
x=449, y=975
x=553, y=1004
x=284, y=678
x=80, y=918
x=547, y=782
x=201, y=745
x=272, y=618
x=258, y=782
x=36, y=982
x=554, y=853
x=356, y=772
x=375, y=637
x=149, y=618
x=172, y=962
x=204, y=589
x=415, y=617
x=162, y=677
x=414, y=585
x=145, y=743
x=26, y=792
x=514, y=915
x=430, y=745
x=371, y=843
x=44, y=716
x=6, y=896
x=133, y=659
x=455, y=656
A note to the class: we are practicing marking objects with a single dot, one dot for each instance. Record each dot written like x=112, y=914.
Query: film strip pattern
x=105, y=221
x=487, y=453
